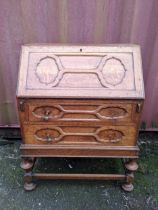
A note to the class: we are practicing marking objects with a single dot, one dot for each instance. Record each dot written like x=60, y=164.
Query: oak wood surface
x=46, y=176
x=81, y=71
x=28, y=150
x=49, y=110
x=106, y=135
x=79, y=101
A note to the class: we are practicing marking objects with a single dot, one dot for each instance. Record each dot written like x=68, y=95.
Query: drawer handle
x=138, y=108
x=46, y=115
x=49, y=138
x=22, y=105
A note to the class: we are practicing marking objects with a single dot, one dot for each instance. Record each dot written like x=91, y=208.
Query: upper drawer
x=45, y=111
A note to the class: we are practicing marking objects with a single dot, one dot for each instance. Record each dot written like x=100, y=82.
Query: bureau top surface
x=103, y=71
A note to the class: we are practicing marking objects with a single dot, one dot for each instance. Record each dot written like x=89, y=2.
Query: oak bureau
x=80, y=101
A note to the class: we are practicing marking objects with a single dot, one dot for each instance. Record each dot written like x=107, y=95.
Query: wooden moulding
x=81, y=71
x=78, y=151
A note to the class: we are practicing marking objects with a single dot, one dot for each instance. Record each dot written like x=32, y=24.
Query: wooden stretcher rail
x=50, y=176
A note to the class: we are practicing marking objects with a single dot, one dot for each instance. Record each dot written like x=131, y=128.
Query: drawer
x=97, y=112
x=91, y=135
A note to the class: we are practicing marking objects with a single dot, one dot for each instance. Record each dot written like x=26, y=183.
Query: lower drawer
x=81, y=135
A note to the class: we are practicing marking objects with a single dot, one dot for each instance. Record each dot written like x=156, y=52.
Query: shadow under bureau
x=80, y=101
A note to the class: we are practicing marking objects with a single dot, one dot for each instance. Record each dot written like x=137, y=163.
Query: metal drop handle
x=138, y=108
x=49, y=138
x=46, y=115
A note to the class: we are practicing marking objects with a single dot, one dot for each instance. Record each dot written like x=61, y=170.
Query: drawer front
x=97, y=112
x=91, y=135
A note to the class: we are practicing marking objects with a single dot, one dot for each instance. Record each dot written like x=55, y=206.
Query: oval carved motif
x=47, y=135
x=110, y=135
x=47, y=112
x=47, y=70
x=112, y=112
x=113, y=71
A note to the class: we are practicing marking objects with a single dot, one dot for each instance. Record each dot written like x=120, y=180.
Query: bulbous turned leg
x=27, y=165
x=130, y=167
x=128, y=185
x=28, y=182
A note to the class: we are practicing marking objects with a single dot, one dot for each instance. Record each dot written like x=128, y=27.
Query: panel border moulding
x=37, y=79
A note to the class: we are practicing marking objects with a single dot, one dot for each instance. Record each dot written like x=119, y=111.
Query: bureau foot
x=29, y=186
x=130, y=167
x=27, y=165
x=128, y=187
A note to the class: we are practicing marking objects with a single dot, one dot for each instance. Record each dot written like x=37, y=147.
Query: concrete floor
x=76, y=195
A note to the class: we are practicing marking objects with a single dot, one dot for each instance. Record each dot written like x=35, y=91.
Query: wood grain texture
x=49, y=118
x=89, y=111
x=81, y=135
x=45, y=176
x=78, y=151
x=96, y=111
x=81, y=71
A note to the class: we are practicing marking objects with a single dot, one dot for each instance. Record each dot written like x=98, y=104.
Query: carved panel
x=108, y=71
x=47, y=112
x=78, y=62
x=80, y=112
x=109, y=135
x=80, y=116
x=93, y=71
x=48, y=135
x=112, y=112
x=81, y=134
x=47, y=70
x=113, y=71
x=99, y=135
x=80, y=80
